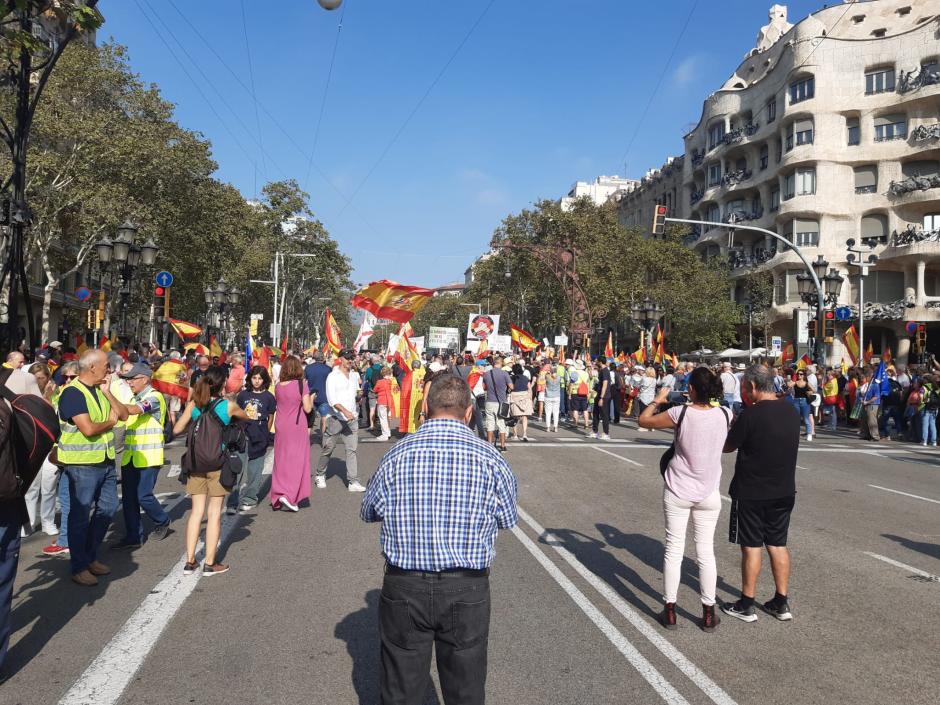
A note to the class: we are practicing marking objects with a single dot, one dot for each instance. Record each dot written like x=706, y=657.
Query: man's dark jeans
x=12, y=516
x=450, y=613
x=137, y=493
x=93, y=499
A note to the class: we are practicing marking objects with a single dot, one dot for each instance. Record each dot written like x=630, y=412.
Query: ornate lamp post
x=126, y=256
x=218, y=298
x=831, y=288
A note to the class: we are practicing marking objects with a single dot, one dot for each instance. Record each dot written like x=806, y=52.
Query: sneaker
x=214, y=569
x=85, y=578
x=354, y=486
x=56, y=550
x=924, y=444
x=593, y=435
x=50, y=530
x=734, y=609
x=230, y=510
x=525, y=439
x=283, y=503
x=668, y=616
x=710, y=620
x=161, y=532
x=933, y=445
x=780, y=611
x=190, y=568
x=809, y=436
x=246, y=509
x=98, y=568
x=321, y=482
x=383, y=438
x=604, y=437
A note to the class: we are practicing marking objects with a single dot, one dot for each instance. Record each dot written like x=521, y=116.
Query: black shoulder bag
x=503, y=412
x=671, y=450
x=310, y=416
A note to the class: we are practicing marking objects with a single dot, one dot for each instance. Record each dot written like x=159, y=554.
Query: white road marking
x=905, y=566
x=105, y=679
x=619, y=457
x=679, y=660
x=726, y=499
x=665, y=689
x=800, y=467
x=906, y=494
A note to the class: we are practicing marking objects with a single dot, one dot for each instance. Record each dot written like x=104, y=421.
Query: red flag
x=392, y=301
x=609, y=348
x=284, y=346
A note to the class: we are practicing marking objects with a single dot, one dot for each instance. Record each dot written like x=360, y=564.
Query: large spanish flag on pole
x=391, y=300
x=521, y=337
x=170, y=378
x=185, y=330
x=334, y=337
x=850, y=339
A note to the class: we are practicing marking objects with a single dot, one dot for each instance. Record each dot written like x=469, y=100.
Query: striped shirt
x=441, y=495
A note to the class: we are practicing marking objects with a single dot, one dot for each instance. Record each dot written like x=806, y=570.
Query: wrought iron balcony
x=914, y=235
x=740, y=216
x=751, y=128
x=913, y=183
x=735, y=135
x=695, y=197
x=923, y=133
x=732, y=178
x=698, y=157
x=912, y=80
x=866, y=189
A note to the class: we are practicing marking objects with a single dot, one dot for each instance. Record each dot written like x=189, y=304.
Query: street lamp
x=127, y=255
x=854, y=259
x=104, y=248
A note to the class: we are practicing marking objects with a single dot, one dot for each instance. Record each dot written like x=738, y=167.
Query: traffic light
x=921, y=337
x=659, y=220
x=811, y=327
x=829, y=327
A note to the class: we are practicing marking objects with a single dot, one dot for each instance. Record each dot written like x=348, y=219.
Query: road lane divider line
x=646, y=669
x=800, y=467
x=619, y=457
x=678, y=659
x=906, y=494
x=106, y=678
x=905, y=566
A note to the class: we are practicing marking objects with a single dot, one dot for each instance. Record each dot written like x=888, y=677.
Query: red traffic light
x=660, y=210
x=830, y=315
x=159, y=291
x=921, y=328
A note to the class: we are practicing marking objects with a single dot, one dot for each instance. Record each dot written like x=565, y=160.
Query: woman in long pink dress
x=290, y=480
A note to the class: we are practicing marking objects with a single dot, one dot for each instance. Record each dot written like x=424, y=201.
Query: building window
x=802, y=90
x=772, y=110
x=778, y=152
x=800, y=132
x=714, y=174
x=764, y=156
x=866, y=178
x=775, y=200
x=716, y=135
x=802, y=182
x=789, y=186
x=879, y=81
x=853, y=132
x=925, y=168
x=804, y=233
x=874, y=227
x=793, y=286
x=780, y=289
x=713, y=214
x=932, y=221
x=890, y=127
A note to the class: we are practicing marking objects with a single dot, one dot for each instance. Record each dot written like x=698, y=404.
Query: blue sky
x=541, y=94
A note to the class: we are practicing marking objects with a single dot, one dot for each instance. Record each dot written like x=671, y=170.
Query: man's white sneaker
x=605, y=437
x=321, y=482
x=593, y=435
x=383, y=438
x=355, y=487
x=809, y=436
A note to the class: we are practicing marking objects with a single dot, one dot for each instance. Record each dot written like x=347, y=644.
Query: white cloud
x=686, y=71
x=486, y=189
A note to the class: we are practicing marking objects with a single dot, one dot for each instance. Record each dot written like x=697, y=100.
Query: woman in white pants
x=691, y=487
x=552, y=400
x=41, y=494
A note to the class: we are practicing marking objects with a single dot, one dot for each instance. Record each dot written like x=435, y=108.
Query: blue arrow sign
x=843, y=313
x=164, y=279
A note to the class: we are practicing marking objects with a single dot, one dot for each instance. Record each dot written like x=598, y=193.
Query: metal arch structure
x=820, y=297
x=562, y=261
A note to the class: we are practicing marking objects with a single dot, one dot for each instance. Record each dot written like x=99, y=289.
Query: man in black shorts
x=767, y=437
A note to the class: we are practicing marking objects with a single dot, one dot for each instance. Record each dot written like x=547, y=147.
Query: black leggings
x=601, y=411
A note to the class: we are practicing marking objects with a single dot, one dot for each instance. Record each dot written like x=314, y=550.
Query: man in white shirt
x=342, y=386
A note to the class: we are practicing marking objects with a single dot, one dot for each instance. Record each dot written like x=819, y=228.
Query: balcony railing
x=866, y=189
x=751, y=128
x=913, y=183
x=739, y=216
x=732, y=178
x=695, y=197
x=897, y=135
x=911, y=80
x=694, y=234
x=741, y=260
x=698, y=156
x=735, y=135
x=923, y=133
x=914, y=235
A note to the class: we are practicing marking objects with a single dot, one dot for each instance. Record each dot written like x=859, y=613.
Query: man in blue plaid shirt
x=442, y=494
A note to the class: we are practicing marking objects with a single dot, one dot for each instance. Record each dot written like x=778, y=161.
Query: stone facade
x=828, y=130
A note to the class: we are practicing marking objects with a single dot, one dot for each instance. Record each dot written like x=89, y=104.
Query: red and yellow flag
x=184, y=329
x=483, y=349
x=659, y=354
x=886, y=356
x=391, y=300
x=284, y=347
x=521, y=337
x=215, y=350
x=869, y=353
x=609, y=346
x=640, y=355
x=850, y=340
x=804, y=362
x=659, y=334
x=80, y=346
x=675, y=361
x=334, y=337
x=197, y=348
x=170, y=378
x=105, y=345
x=788, y=354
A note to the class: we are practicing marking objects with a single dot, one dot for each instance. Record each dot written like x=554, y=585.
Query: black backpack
x=34, y=429
x=931, y=398
x=895, y=394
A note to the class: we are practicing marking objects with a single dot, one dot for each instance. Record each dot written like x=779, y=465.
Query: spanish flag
x=886, y=356
x=215, y=350
x=80, y=346
x=391, y=300
x=659, y=354
x=869, y=353
x=675, y=361
x=483, y=349
x=788, y=354
x=804, y=362
x=525, y=340
x=334, y=337
x=185, y=330
x=640, y=355
x=850, y=340
x=609, y=347
x=105, y=345
x=170, y=378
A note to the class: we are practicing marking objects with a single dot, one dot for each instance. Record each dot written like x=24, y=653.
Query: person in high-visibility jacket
x=87, y=414
x=143, y=456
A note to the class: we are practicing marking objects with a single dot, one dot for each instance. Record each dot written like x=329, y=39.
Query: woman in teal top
x=203, y=487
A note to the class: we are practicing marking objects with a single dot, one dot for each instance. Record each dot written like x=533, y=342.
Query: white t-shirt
x=341, y=389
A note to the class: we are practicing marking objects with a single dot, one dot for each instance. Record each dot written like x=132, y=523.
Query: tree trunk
x=47, y=292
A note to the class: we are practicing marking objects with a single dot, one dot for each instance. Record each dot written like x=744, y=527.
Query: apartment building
x=828, y=130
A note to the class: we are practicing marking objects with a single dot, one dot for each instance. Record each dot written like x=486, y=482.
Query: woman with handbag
x=520, y=402
x=204, y=486
x=692, y=472
x=802, y=399
x=290, y=480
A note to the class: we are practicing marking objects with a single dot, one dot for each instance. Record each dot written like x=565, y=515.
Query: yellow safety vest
x=77, y=449
x=122, y=392
x=143, y=439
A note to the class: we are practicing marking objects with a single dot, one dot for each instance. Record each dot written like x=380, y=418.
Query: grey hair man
x=766, y=435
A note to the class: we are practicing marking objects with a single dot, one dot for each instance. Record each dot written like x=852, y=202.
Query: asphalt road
x=576, y=589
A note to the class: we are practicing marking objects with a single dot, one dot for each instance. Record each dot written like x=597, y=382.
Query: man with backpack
x=578, y=389
x=87, y=415
x=929, y=405
x=12, y=516
x=892, y=407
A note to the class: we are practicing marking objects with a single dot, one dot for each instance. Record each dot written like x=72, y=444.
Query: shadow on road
x=360, y=631
x=928, y=549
